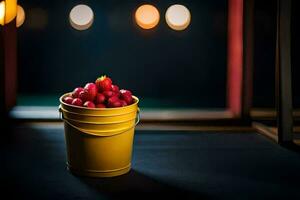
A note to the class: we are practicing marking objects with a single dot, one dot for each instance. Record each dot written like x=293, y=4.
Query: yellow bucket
x=99, y=140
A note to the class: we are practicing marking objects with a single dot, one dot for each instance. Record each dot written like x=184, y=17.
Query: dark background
x=168, y=68
x=187, y=67
x=264, y=54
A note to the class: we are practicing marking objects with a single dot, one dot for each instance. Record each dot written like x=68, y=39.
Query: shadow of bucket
x=99, y=140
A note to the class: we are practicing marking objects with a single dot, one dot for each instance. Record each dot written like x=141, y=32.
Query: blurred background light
x=36, y=18
x=20, y=16
x=81, y=17
x=147, y=16
x=2, y=12
x=178, y=17
x=8, y=11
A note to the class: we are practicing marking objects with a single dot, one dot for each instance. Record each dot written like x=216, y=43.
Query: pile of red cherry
x=101, y=94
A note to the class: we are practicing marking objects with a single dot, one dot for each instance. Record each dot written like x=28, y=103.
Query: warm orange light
x=10, y=10
x=20, y=16
x=147, y=16
x=2, y=12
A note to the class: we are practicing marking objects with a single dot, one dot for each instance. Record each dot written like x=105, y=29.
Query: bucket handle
x=61, y=116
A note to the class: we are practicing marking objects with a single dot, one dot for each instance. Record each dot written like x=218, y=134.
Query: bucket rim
x=97, y=109
x=100, y=133
x=94, y=115
x=99, y=123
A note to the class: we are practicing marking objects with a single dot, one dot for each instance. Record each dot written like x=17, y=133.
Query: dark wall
x=264, y=54
x=295, y=54
x=161, y=63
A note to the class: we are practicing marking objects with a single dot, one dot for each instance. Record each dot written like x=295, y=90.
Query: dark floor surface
x=179, y=165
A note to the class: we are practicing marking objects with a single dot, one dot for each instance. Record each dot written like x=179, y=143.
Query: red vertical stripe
x=235, y=56
x=10, y=63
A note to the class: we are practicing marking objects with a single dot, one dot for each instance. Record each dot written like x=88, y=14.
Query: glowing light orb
x=81, y=17
x=147, y=16
x=20, y=16
x=8, y=11
x=2, y=12
x=178, y=17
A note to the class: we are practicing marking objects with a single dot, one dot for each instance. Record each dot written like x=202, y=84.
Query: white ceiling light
x=178, y=17
x=81, y=17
